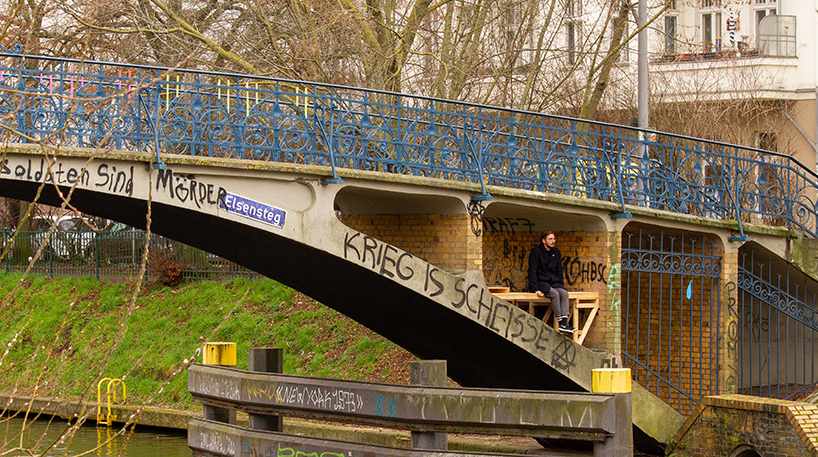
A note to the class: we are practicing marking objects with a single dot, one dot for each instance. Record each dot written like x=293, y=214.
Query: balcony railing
x=106, y=105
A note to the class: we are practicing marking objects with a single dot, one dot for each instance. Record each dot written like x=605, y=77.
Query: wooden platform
x=584, y=308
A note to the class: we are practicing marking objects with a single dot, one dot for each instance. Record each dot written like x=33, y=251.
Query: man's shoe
x=565, y=328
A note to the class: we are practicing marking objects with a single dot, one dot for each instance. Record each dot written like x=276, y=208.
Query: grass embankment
x=62, y=335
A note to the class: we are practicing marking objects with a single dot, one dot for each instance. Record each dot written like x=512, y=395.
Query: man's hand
x=540, y=294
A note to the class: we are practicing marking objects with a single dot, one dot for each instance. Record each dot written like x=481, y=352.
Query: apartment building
x=759, y=50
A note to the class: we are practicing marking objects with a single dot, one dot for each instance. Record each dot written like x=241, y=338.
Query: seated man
x=545, y=278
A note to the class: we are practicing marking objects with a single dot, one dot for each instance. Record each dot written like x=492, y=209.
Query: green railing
x=112, y=254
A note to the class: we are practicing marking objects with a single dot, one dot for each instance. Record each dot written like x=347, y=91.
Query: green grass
x=61, y=336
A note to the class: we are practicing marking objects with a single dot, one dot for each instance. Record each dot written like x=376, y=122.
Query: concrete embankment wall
x=178, y=420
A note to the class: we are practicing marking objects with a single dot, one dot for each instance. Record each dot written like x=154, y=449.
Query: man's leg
x=556, y=301
x=564, y=306
x=561, y=308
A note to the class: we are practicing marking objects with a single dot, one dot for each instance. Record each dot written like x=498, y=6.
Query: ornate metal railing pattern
x=107, y=105
x=670, y=311
x=778, y=299
x=777, y=317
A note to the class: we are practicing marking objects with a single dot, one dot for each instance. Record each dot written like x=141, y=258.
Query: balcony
x=768, y=70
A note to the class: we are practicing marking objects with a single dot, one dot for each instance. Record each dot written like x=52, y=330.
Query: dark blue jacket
x=544, y=269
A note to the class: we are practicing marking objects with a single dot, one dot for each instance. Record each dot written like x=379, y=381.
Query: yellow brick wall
x=446, y=241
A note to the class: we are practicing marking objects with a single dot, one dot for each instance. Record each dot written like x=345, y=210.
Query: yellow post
x=611, y=380
x=616, y=381
x=219, y=353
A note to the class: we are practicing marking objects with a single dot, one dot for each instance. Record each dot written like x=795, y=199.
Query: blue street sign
x=252, y=209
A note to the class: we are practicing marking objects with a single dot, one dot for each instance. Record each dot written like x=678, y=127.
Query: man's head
x=549, y=239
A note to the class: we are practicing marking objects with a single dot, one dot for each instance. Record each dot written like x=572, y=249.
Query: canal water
x=88, y=440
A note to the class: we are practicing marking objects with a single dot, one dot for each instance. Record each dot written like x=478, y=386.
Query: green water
x=53, y=439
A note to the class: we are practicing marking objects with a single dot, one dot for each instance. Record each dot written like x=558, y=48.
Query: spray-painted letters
x=472, y=299
x=331, y=399
x=507, y=225
x=188, y=189
x=104, y=176
x=576, y=270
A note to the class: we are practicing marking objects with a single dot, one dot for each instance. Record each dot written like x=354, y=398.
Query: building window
x=670, y=34
x=573, y=8
x=776, y=36
x=623, y=54
x=761, y=14
x=764, y=8
x=573, y=11
x=711, y=31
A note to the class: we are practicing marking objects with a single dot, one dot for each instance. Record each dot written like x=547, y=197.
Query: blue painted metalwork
x=777, y=321
x=670, y=315
x=106, y=105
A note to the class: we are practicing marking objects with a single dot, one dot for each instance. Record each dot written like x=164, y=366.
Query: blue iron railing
x=171, y=111
x=777, y=316
x=670, y=308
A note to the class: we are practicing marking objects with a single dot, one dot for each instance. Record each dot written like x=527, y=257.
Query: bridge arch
x=429, y=311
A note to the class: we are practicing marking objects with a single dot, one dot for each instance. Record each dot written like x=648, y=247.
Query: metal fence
x=670, y=312
x=110, y=254
x=775, y=332
x=140, y=108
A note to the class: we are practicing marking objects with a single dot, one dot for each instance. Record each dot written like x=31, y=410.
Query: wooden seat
x=584, y=305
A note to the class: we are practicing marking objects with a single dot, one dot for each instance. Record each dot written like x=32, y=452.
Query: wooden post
x=429, y=373
x=221, y=354
x=267, y=360
x=616, y=381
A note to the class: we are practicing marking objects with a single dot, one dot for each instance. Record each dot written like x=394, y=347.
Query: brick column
x=730, y=322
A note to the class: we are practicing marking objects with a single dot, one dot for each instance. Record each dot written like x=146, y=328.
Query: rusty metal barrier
x=604, y=419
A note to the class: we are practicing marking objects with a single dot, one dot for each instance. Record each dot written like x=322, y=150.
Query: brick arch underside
x=476, y=356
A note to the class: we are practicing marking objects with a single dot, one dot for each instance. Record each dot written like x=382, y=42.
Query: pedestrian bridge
x=398, y=211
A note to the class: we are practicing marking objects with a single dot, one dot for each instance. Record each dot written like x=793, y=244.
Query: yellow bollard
x=611, y=380
x=616, y=381
x=218, y=353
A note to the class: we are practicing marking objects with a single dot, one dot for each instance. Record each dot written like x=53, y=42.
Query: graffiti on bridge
x=506, y=265
x=579, y=271
x=104, y=176
x=474, y=299
x=291, y=452
x=511, y=225
x=385, y=406
x=732, y=339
